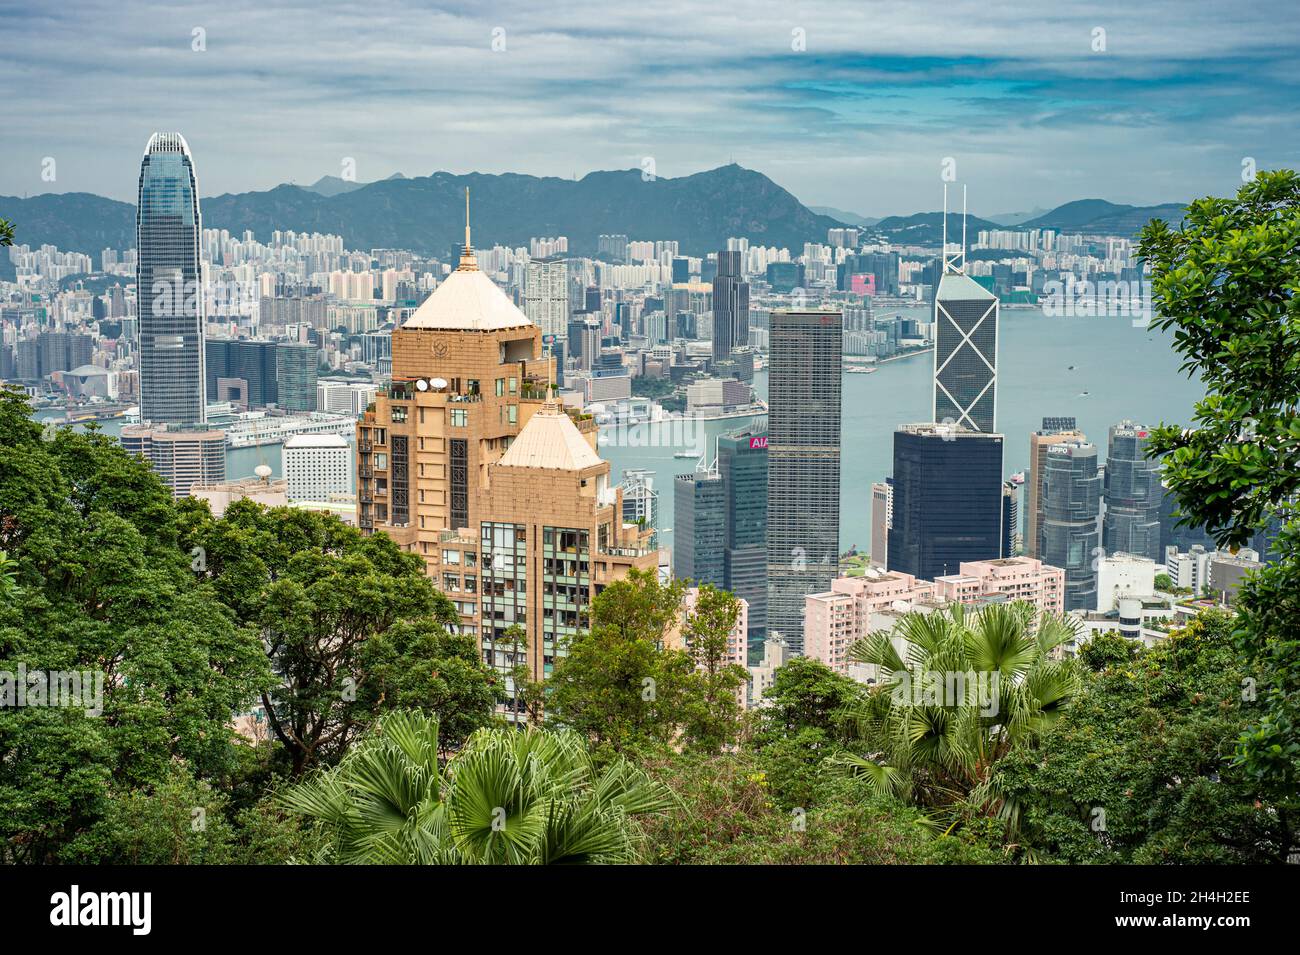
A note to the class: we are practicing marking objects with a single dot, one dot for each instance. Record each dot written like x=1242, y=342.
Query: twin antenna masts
x=949, y=266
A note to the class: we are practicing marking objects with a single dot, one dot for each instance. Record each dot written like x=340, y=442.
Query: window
x=501, y=387
x=514, y=414
x=514, y=385
x=459, y=417
x=398, y=414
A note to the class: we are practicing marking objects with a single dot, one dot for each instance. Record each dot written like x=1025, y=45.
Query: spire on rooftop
x=467, y=261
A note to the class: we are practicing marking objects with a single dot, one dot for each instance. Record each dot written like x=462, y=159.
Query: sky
x=861, y=106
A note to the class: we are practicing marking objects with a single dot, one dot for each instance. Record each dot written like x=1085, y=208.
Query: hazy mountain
x=1104, y=218
x=848, y=218
x=926, y=228
x=427, y=214
x=334, y=185
x=73, y=221
x=1016, y=218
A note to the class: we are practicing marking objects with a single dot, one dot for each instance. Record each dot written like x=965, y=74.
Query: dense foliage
x=1226, y=283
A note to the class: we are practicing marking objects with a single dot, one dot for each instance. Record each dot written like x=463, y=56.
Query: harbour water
x=1096, y=369
x=1099, y=370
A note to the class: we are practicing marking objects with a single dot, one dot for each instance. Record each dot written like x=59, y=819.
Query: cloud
x=860, y=119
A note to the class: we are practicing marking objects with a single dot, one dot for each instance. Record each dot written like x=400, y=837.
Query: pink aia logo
x=759, y=442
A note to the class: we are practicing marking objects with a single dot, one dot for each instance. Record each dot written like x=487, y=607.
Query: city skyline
x=1161, y=106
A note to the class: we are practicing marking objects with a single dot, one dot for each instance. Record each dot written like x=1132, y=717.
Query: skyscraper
x=965, y=353
x=546, y=295
x=295, y=376
x=699, y=527
x=1054, y=431
x=947, y=499
x=169, y=285
x=882, y=514
x=803, y=464
x=1133, y=494
x=1068, y=532
x=730, y=307
x=467, y=461
x=742, y=464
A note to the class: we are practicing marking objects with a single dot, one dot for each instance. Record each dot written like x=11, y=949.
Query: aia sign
x=758, y=443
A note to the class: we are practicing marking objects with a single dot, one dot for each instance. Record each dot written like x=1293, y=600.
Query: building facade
x=700, y=527
x=803, y=464
x=1053, y=431
x=169, y=284
x=183, y=457
x=965, y=353
x=1069, y=536
x=742, y=465
x=1133, y=493
x=316, y=467
x=468, y=462
x=947, y=499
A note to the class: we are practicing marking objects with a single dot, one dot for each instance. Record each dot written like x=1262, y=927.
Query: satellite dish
x=422, y=384
x=263, y=472
x=439, y=383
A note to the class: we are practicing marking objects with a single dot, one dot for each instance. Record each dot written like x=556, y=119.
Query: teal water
x=1127, y=372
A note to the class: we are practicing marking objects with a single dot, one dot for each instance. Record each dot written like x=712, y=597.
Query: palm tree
x=958, y=688
x=6, y=233
x=518, y=797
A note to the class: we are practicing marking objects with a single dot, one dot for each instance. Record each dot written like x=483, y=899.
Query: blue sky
x=847, y=104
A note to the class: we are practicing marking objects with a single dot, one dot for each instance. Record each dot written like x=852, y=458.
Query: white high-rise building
x=546, y=296
x=316, y=466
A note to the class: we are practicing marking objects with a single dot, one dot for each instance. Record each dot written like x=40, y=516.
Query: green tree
x=530, y=797
x=91, y=538
x=420, y=665
x=318, y=593
x=6, y=233
x=707, y=631
x=1225, y=282
x=974, y=683
x=1138, y=769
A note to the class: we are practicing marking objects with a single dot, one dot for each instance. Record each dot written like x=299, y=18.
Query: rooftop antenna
x=467, y=261
x=963, y=228
x=947, y=260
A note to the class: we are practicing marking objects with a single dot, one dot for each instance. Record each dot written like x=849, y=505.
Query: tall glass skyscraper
x=169, y=285
x=730, y=306
x=947, y=499
x=295, y=376
x=1133, y=494
x=699, y=528
x=803, y=464
x=742, y=464
x=965, y=353
x=1068, y=532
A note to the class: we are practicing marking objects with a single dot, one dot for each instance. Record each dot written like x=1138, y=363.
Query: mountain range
x=426, y=214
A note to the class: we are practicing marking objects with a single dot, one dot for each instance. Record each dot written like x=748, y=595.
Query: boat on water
x=685, y=454
x=860, y=369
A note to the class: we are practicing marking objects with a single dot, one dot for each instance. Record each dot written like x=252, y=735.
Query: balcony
x=365, y=447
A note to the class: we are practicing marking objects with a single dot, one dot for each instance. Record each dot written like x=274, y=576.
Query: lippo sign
x=758, y=443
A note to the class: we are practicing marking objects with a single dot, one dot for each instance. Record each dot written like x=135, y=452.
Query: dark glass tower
x=1068, y=534
x=730, y=306
x=965, y=353
x=947, y=499
x=295, y=376
x=1133, y=494
x=742, y=465
x=169, y=285
x=803, y=464
x=699, y=528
